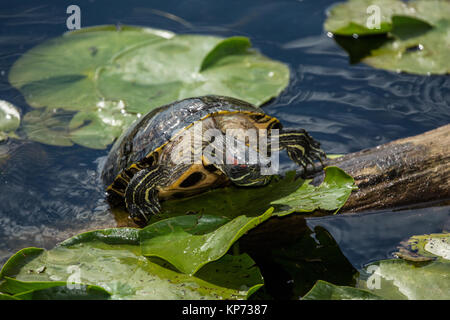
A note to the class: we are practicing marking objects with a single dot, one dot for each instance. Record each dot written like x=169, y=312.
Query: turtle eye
x=192, y=180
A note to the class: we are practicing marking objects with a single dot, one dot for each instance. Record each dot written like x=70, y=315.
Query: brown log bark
x=407, y=171
x=402, y=172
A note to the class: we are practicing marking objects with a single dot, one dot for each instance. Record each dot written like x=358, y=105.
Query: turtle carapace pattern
x=153, y=160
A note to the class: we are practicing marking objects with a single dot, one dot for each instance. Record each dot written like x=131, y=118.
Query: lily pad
x=49, y=126
x=426, y=247
x=330, y=195
x=142, y=69
x=422, y=273
x=323, y=290
x=98, y=129
x=401, y=279
x=286, y=194
x=27, y=290
x=189, y=242
x=423, y=54
x=231, y=202
x=63, y=72
x=417, y=32
x=191, y=65
x=9, y=119
x=354, y=16
x=414, y=277
x=100, y=259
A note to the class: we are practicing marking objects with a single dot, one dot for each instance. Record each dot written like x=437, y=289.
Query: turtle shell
x=135, y=147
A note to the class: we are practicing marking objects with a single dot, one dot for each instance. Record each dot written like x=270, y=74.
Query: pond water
x=50, y=193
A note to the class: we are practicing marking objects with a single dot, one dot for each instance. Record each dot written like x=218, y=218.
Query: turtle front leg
x=141, y=194
x=300, y=146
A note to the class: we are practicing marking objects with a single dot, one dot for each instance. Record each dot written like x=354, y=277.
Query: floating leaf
x=141, y=67
x=231, y=202
x=423, y=54
x=355, y=17
x=92, y=129
x=63, y=72
x=4, y=296
x=49, y=126
x=421, y=274
x=400, y=279
x=188, y=66
x=63, y=292
x=100, y=128
x=404, y=27
x=330, y=195
x=189, y=242
x=96, y=262
x=288, y=194
x=323, y=290
x=418, y=39
x=9, y=119
x=27, y=290
x=426, y=247
x=230, y=46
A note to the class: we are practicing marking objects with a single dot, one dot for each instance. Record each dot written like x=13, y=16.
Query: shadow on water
x=50, y=193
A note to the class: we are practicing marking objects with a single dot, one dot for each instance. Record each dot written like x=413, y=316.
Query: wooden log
x=403, y=172
x=407, y=171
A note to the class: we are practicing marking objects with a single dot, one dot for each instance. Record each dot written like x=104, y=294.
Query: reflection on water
x=49, y=193
x=46, y=196
x=368, y=237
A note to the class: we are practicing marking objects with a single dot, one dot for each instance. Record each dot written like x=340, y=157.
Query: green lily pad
x=98, y=129
x=286, y=194
x=189, y=242
x=426, y=247
x=231, y=202
x=404, y=27
x=191, y=65
x=352, y=17
x=423, y=54
x=109, y=261
x=81, y=292
x=63, y=72
x=28, y=290
x=330, y=195
x=49, y=126
x=401, y=279
x=323, y=290
x=422, y=273
x=9, y=119
x=417, y=32
x=4, y=296
x=230, y=46
x=142, y=69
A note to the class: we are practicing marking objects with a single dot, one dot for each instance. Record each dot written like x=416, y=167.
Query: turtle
x=152, y=161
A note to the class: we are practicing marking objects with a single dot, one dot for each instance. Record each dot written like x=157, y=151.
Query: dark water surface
x=49, y=193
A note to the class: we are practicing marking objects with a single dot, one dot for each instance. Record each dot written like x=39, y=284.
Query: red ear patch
x=235, y=162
